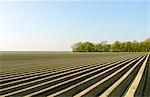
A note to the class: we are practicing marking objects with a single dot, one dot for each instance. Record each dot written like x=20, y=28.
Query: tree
x=122, y=47
x=135, y=46
x=88, y=47
x=77, y=47
x=128, y=46
x=107, y=48
x=83, y=47
x=147, y=44
x=98, y=48
x=117, y=46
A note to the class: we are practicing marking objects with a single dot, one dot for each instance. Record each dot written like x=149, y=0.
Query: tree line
x=117, y=46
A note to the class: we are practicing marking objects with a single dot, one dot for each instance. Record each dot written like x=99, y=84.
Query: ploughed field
x=66, y=74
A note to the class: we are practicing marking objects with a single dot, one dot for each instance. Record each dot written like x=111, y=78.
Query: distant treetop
x=117, y=46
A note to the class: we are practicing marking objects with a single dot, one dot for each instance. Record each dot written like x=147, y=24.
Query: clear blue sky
x=56, y=25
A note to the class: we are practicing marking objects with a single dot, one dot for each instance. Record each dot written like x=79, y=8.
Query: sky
x=56, y=25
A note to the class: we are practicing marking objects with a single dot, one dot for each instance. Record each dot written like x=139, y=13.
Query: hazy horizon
x=56, y=25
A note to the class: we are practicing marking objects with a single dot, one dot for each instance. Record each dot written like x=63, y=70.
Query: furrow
x=72, y=90
x=45, y=83
x=70, y=82
x=136, y=89
x=118, y=88
x=103, y=84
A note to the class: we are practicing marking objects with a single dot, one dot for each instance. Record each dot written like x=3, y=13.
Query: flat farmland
x=67, y=74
